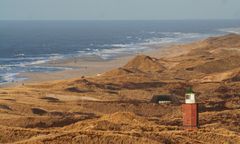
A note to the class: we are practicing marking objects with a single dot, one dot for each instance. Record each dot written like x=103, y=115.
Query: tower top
x=190, y=98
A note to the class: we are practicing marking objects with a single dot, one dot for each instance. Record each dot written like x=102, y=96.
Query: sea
x=26, y=45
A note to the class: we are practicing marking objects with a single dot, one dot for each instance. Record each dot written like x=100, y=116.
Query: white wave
x=37, y=62
x=19, y=55
x=117, y=51
x=181, y=35
x=235, y=30
x=157, y=40
x=28, y=61
x=10, y=77
x=56, y=57
x=52, y=67
x=112, y=50
x=119, y=45
x=153, y=32
x=175, y=37
x=42, y=60
x=21, y=58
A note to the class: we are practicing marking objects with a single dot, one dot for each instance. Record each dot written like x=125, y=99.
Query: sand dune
x=115, y=107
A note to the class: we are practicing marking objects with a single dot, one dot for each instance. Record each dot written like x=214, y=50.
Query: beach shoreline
x=77, y=67
x=91, y=66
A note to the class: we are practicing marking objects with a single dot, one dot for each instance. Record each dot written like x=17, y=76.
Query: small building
x=164, y=99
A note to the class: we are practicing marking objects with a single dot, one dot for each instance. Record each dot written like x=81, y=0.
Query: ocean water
x=24, y=45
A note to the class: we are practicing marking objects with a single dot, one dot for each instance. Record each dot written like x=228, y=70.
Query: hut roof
x=157, y=98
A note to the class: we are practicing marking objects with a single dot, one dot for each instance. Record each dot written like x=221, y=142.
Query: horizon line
x=109, y=19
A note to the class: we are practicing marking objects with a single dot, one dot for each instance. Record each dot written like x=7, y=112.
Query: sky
x=118, y=9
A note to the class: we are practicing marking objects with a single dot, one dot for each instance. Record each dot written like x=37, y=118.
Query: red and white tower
x=190, y=112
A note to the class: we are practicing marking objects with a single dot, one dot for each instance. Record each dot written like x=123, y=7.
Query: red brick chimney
x=190, y=112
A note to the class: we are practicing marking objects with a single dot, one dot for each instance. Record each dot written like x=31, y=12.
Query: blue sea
x=24, y=45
